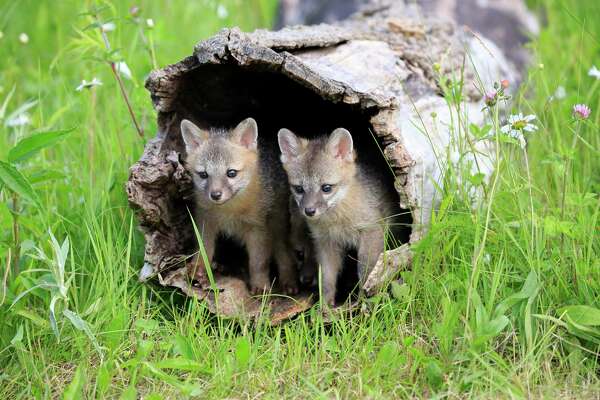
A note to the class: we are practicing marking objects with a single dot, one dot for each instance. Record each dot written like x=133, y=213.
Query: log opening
x=222, y=95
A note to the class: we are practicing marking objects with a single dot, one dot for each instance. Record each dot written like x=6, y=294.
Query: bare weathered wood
x=384, y=63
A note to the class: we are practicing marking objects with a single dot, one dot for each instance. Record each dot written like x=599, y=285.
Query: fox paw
x=257, y=290
x=198, y=274
x=290, y=289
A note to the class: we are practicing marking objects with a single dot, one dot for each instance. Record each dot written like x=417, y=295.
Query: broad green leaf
x=15, y=181
x=36, y=142
x=45, y=175
x=242, y=352
x=400, y=291
x=129, y=394
x=529, y=290
x=147, y=326
x=81, y=325
x=434, y=374
x=75, y=389
x=180, y=364
x=188, y=389
x=33, y=317
x=53, y=323
x=387, y=355
x=183, y=347
x=582, y=315
x=144, y=348
x=103, y=378
x=44, y=285
x=116, y=328
x=18, y=338
x=496, y=325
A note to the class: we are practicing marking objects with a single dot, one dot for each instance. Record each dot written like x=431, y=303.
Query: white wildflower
x=594, y=72
x=18, y=120
x=559, y=94
x=487, y=258
x=108, y=27
x=88, y=85
x=24, y=38
x=123, y=69
x=517, y=125
x=1, y=35
x=150, y=23
x=222, y=12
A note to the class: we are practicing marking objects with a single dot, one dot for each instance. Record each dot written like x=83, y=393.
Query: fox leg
x=330, y=258
x=370, y=246
x=259, y=255
x=288, y=276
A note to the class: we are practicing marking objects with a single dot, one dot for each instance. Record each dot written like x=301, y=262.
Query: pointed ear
x=289, y=144
x=340, y=145
x=193, y=136
x=246, y=134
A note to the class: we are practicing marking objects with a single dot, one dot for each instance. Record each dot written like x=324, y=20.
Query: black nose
x=310, y=211
x=216, y=195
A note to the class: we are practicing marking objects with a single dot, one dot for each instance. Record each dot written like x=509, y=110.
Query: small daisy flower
x=222, y=12
x=123, y=69
x=88, y=85
x=18, y=120
x=150, y=23
x=594, y=72
x=559, y=94
x=517, y=125
x=108, y=27
x=24, y=38
x=581, y=111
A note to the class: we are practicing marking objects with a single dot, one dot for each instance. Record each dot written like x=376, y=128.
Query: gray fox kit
x=344, y=203
x=240, y=191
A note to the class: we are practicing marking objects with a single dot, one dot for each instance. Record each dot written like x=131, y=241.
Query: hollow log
x=376, y=74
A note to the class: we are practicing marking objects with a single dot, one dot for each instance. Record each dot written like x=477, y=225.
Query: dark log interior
x=223, y=95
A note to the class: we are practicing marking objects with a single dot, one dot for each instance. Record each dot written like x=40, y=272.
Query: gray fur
x=354, y=214
x=253, y=206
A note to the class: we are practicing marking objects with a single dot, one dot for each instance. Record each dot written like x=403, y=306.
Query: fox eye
x=326, y=188
x=203, y=174
x=298, y=189
x=231, y=173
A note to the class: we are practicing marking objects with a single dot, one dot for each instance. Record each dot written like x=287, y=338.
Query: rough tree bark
x=380, y=68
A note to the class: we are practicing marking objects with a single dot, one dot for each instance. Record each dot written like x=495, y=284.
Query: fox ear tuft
x=192, y=136
x=340, y=145
x=246, y=134
x=289, y=144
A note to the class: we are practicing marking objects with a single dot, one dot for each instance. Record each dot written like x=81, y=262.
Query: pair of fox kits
x=241, y=192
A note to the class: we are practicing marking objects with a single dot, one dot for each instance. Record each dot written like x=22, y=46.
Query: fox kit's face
x=319, y=171
x=222, y=164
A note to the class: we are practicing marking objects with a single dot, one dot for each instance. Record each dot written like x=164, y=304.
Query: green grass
x=482, y=312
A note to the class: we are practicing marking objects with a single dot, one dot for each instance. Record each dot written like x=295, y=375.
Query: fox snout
x=219, y=194
x=310, y=211
x=310, y=204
